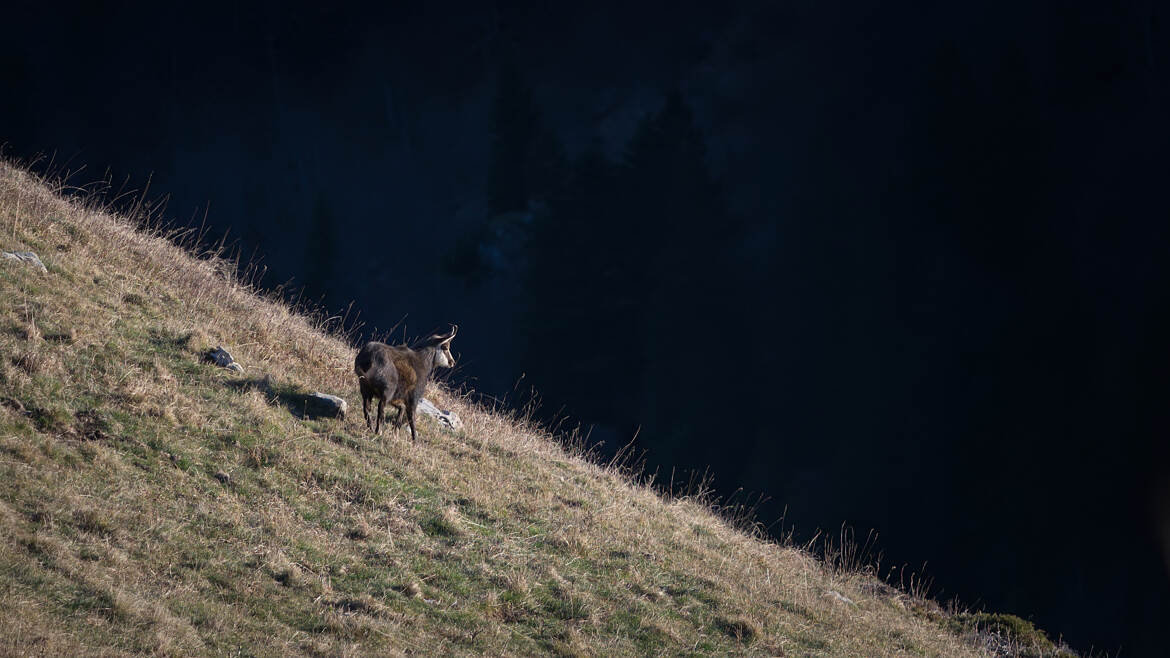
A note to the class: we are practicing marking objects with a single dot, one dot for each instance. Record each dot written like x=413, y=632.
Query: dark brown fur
x=399, y=375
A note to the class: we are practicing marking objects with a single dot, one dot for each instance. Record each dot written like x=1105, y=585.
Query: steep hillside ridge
x=153, y=503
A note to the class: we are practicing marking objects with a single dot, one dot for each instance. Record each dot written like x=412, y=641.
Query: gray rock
x=323, y=404
x=448, y=419
x=222, y=358
x=26, y=257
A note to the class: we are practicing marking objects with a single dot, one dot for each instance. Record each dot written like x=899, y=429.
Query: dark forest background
x=892, y=266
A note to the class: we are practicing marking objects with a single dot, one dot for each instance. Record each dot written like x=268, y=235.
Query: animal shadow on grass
x=300, y=404
x=170, y=343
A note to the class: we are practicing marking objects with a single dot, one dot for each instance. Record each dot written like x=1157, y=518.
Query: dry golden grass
x=117, y=536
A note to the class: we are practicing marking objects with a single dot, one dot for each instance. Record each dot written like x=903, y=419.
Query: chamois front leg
x=366, y=412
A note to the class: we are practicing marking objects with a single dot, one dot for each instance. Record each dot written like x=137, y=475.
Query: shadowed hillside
x=154, y=503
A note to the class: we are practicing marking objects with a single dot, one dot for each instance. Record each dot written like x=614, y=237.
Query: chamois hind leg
x=378, y=425
x=410, y=419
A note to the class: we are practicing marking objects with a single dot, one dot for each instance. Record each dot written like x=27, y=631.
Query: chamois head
x=442, y=345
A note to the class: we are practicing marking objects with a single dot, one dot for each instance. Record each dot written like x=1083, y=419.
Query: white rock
x=448, y=419
x=27, y=257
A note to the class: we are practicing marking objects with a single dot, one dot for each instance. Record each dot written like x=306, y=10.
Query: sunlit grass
x=152, y=503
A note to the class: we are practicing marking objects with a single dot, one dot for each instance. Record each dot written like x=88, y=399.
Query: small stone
x=27, y=257
x=235, y=367
x=412, y=589
x=223, y=477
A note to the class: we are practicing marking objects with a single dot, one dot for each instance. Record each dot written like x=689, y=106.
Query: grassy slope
x=116, y=536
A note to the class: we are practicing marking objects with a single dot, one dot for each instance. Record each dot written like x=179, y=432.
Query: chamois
x=399, y=375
